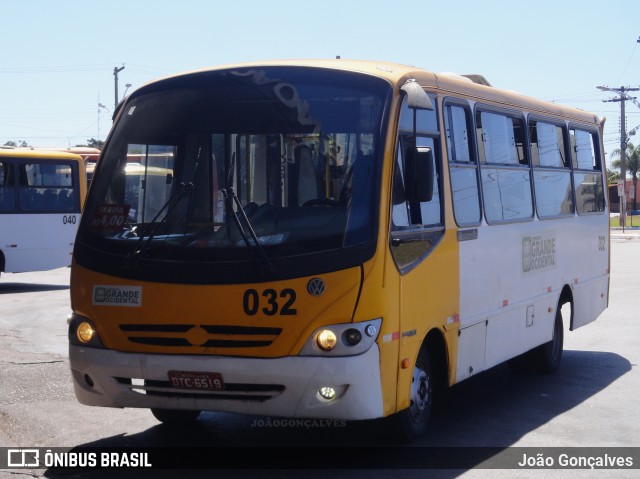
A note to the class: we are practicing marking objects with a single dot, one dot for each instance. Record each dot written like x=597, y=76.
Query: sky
x=58, y=57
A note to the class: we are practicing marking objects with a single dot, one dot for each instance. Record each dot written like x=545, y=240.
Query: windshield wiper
x=143, y=242
x=231, y=198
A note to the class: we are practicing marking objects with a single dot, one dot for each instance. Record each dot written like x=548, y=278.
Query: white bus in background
x=41, y=198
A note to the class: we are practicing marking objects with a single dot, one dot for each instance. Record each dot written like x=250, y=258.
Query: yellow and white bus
x=41, y=197
x=332, y=239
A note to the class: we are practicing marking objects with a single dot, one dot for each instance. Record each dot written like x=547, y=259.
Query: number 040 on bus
x=332, y=239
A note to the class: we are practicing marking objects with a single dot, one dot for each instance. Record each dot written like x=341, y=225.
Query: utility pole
x=116, y=70
x=98, y=137
x=623, y=97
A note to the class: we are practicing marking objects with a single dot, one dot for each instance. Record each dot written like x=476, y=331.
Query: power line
x=629, y=61
x=54, y=69
x=622, y=99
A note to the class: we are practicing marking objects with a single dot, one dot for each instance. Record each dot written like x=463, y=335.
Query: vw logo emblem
x=315, y=287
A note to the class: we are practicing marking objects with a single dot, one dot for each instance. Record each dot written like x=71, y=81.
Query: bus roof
x=471, y=86
x=37, y=154
x=78, y=150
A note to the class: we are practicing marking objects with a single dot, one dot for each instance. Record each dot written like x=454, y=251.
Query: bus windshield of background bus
x=216, y=165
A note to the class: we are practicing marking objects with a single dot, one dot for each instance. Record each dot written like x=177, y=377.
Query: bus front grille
x=201, y=336
x=231, y=391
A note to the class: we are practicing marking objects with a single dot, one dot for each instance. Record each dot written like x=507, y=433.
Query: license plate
x=196, y=380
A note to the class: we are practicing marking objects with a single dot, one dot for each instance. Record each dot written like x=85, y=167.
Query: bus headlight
x=326, y=340
x=82, y=332
x=85, y=332
x=347, y=339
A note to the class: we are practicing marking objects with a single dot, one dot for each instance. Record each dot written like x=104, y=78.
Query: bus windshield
x=239, y=170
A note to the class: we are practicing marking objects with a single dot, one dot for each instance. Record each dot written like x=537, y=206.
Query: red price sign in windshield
x=110, y=218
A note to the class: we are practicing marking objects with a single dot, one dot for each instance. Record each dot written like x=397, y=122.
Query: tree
x=612, y=176
x=93, y=143
x=19, y=144
x=632, y=154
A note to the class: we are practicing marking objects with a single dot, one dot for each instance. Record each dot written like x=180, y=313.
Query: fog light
x=85, y=332
x=327, y=340
x=327, y=393
x=352, y=336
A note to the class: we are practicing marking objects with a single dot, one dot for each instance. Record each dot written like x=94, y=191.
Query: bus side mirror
x=419, y=174
x=417, y=98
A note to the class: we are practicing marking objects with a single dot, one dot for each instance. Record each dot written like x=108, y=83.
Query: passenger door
x=424, y=253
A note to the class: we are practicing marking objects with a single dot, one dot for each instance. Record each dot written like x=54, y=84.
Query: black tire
x=413, y=422
x=175, y=417
x=546, y=358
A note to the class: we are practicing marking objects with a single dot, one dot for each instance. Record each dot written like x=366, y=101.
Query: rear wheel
x=175, y=417
x=547, y=357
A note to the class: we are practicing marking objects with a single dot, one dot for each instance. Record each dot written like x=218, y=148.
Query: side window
x=587, y=173
x=416, y=226
x=551, y=170
x=426, y=119
x=547, y=145
x=463, y=169
x=583, y=148
x=506, y=177
x=46, y=187
x=7, y=187
x=408, y=214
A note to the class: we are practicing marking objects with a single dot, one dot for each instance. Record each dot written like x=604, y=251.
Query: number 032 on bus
x=332, y=239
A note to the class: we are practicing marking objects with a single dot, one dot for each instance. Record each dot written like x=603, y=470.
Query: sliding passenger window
x=551, y=170
x=463, y=168
x=506, y=177
x=587, y=173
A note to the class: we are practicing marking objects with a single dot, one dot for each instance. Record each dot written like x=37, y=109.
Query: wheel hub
x=419, y=393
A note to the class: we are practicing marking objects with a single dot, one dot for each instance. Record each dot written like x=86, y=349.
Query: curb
x=629, y=233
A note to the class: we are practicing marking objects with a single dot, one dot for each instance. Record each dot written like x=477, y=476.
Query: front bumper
x=285, y=387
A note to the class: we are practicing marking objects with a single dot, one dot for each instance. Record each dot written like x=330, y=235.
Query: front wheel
x=413, y=422
x=175, y=417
